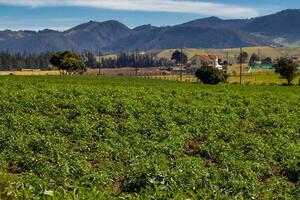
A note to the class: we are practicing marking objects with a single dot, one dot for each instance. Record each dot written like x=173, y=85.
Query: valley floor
x=255, y=77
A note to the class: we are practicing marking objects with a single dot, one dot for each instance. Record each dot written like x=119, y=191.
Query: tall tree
x=68, y=61
x=287, y=69
x=16, y=61
x=242, y=58
x=89, y=59
x=267, y=61
x=179, y=57
x=253, y=59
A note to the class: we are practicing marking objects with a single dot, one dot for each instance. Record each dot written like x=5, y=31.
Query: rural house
x=198, y=60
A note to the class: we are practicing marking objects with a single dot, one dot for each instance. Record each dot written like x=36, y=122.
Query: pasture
x=256, y=78
x=263, y=51
x=30, y=72
x=94, y=137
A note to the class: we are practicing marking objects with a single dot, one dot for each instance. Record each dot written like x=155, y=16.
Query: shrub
x=211, y=75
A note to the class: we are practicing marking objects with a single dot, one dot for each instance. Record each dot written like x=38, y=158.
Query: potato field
x=88, y=137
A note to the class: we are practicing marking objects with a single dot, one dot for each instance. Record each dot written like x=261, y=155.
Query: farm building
x=198, y=60
x=178, y=70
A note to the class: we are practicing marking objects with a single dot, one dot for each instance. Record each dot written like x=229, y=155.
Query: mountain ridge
x=112, y=36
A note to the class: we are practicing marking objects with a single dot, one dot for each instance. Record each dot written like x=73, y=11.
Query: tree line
x=125, y=59
x=17, y=61
x=254, y=58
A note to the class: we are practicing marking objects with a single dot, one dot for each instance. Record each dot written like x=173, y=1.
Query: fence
x=185, y=78
x=247, y=78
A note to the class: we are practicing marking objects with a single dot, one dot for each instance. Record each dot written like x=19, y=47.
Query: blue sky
x=63, y=14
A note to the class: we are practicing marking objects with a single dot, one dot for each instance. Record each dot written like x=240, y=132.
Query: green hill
x=189, y=52
x=262, y=51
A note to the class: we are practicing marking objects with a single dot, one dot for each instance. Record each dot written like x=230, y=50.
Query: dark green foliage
x=211, y=75
x=267, y=61
x=134, y=59
x=242, y=58
x=88, y=137
x=179, y=57
x=16, y=61
x=90, y=59
x=67, y=61
x=287, y=69
x=129, y=60
x=253, y=59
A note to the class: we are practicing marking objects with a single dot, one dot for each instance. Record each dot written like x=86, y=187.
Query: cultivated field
x=94, y=137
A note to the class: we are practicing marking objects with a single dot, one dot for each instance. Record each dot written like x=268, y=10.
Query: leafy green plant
x=88, y=137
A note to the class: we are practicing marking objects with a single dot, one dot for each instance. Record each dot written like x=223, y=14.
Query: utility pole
x=99, y=57
x=227, y=59
x=181, y=69
x=241, y=65
x=135, y=60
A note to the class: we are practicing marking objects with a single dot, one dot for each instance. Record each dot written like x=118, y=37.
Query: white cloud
x=177, y=6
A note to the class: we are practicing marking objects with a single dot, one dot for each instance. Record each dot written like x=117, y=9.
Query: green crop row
x=115, y=137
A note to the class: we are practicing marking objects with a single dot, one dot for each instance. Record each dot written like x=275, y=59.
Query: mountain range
x=279, y=29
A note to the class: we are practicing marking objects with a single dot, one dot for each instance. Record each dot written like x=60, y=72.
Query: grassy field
x=89, y=137
x=271, y=78
x=126, y=71
x=263, y=51
x=257, y=77
x=251, y=78
x=31, y=72
x=189, y=52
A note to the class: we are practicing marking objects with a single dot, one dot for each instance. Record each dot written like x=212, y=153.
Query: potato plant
x=92, y=137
